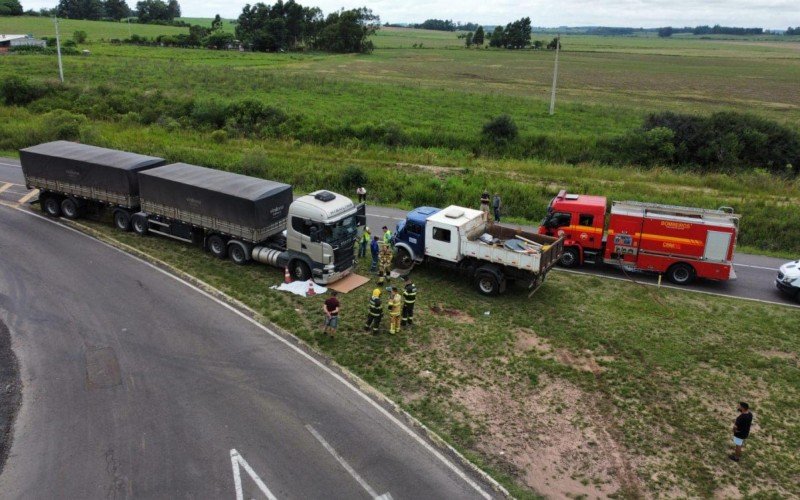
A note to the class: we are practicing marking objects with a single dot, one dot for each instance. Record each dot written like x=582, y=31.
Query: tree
x=173, y=10
x=79, y=36
x=469, y=37
x=436, y=24
x=80, y=9
x=154, y=10
x=216, y=24
x=219, y=40
x=348, y=31
x=665, y=32
x=116, y=9
x=479, y=36
x=10, y=8
x=500, y=130
x=498, y=38
x=555, y=42
x=518, y=34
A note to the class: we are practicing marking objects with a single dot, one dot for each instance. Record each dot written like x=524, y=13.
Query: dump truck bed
x=536, y=262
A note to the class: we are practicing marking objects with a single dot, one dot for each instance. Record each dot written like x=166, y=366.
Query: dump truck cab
x=409, y=235
x=580, y=220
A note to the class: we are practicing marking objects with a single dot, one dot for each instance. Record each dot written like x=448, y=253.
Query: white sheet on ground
x=299, y=288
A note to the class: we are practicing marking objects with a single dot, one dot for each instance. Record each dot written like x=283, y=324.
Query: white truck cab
x=445, y=230
x=788, y=280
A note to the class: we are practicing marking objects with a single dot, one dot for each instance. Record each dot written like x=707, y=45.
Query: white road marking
x=5, y=186
x=236, y=461
x=433, y=451
x=757, y=267
x=347, y=467
x=383, y=217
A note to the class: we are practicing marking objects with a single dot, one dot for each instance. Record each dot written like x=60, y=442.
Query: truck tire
x=122, y=220
x=217, y=246
x=238, y=252
x=51, y=206
x=570, y=258
x=300, y=270
x=681, y=273
x=403, y=260
x=487, y=283
x=70, y=208
x=139, y=224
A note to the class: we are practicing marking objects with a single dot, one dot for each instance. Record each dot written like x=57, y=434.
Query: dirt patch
x=772, y=353
x=10, y=392
x=527, y=340
x=551, y=437
x=453, y=314
x=440, y=172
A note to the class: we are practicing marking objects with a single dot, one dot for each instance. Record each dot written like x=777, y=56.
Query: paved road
x=136, y=385
x=755, y=274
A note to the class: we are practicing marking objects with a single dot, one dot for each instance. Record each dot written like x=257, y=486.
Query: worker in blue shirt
x=375, y=249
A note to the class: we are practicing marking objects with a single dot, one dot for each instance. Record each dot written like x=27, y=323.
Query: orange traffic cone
x=310, y=291
x=287, y=278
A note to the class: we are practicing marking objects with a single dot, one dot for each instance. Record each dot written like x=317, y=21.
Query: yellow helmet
x=376, y=293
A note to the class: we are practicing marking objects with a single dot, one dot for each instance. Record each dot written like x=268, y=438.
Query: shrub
x=19, y=91
x=353, y=177
x=210, y=112
x=219, y=136
x=500, y=130
x=64, y=125
x=79, y=36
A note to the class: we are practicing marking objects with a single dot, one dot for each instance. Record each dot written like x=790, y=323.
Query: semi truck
x=231, y=215
x=683, y=243
x=74, y=179
x=492, y=255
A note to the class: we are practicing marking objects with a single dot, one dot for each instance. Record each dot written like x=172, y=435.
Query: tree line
x=444, y=25
x=668, y=31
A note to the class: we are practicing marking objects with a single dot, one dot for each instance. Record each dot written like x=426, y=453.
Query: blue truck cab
x=409, y=236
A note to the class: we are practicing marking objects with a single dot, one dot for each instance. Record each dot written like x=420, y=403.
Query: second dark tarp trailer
x=236, y=205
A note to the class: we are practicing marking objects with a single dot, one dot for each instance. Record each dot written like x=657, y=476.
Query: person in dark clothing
x=496, y=204
x=375, y=249
x=485, y=203
x=741, y=429
x=375, y=312
x=331, y=310
x=409, y=298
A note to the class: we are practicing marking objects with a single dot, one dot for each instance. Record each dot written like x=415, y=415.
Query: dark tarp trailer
x=237, y=205
x=91, y=172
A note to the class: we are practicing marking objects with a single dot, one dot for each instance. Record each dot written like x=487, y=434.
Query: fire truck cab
x=683, y=243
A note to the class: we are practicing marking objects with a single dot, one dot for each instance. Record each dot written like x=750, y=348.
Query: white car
x=788, y=280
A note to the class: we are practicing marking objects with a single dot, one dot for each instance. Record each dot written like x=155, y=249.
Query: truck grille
x=343, y=256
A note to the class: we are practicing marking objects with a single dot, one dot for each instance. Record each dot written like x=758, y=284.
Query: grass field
x=589, y=388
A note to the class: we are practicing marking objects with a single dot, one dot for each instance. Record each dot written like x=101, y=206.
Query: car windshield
x=340, y=230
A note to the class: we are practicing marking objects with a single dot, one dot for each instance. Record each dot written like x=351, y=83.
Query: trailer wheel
x=570, y=257
x=299, y=270
x=487, y=283
x=681, y=274
x=122, y=220
x=139, y=224
x=51, y=206
x=403, y=259
x=70, y=208
x=238, y=253
x=217, y=247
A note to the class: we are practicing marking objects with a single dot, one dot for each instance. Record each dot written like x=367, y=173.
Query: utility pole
x=58, y=49
x=555, y=78
x=129, y=28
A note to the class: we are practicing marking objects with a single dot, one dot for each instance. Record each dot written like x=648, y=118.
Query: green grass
x=644, y=379
x=96, y=30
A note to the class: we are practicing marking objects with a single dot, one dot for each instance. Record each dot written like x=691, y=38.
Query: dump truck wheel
x=681, y=274
x=402, y=259
x=570, y=258
x=217, y=246
x=487, y=283
x=122, y=220
x=51, y=206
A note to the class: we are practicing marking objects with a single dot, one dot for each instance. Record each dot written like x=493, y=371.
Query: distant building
x=8, y=41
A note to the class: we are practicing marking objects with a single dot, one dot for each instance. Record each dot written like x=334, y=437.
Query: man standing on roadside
x=496, y=204
x=331, y=310
x=375, y=249
x=362, y=194
x=741, y=429
x=387, y=237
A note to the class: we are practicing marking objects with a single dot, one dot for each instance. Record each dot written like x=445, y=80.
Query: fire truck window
x=441, y=234
x=586, y=220
x=561, y=219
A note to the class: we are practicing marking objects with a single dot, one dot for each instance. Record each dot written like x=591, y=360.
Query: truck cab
x=320, y=236
x=580, y=220
x=409, y=236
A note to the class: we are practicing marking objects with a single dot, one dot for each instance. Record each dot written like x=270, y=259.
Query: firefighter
x=375, y=312
x=409, y=297
x=395, y=310
x=385, y=266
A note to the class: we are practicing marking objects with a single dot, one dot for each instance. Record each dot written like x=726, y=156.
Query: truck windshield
x=341, y=230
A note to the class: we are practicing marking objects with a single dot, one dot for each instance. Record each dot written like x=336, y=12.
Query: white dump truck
x=491, y=254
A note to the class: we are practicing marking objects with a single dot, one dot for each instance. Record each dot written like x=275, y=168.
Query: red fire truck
x=682, y=242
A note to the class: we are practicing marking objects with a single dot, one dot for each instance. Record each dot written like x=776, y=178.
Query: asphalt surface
x=755, y=273
x=137, y=385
